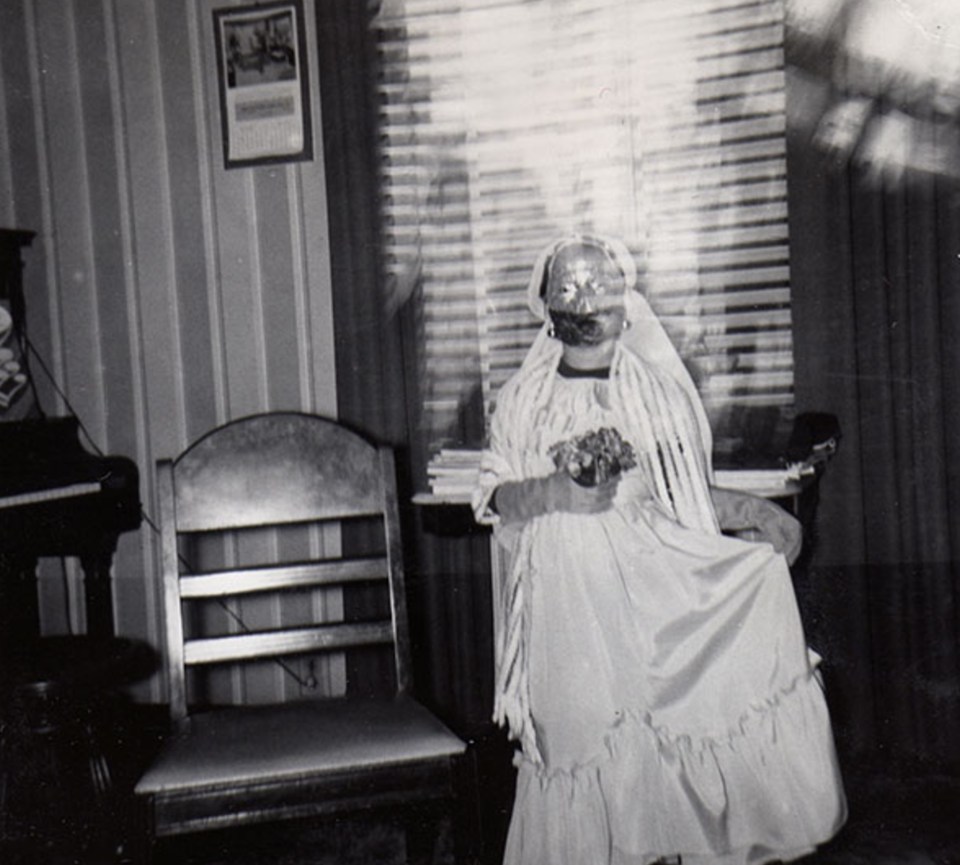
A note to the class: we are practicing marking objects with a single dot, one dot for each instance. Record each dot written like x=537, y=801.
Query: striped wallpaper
x=165, y=293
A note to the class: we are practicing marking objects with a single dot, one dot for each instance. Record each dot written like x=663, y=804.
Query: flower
x=594, y=457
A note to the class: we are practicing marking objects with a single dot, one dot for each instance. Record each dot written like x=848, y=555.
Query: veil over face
x=581, y=261
x=583, y=278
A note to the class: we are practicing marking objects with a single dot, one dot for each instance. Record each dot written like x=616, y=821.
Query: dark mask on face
x=577, y=329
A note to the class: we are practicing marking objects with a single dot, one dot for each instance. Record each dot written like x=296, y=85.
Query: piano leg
x=19, y=601
x=97, y=563
x=19, y=605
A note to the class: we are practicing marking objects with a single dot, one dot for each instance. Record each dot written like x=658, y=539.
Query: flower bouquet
x=594, y=457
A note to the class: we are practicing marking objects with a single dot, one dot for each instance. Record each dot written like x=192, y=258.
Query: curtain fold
x=377, y=389
x=876, y=301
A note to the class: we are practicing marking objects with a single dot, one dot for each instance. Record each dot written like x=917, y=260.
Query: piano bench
x=63, y=744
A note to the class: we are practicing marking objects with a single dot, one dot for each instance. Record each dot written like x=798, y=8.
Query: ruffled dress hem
x=755, y=794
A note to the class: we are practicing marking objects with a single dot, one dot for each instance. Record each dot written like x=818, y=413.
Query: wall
x=165, y=293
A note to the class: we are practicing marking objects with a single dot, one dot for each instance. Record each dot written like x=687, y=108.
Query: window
x=505, y=124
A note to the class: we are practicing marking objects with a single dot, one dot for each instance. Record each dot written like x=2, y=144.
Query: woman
x=653, y=669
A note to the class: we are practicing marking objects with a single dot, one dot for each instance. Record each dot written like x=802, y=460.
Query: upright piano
x=57, y=498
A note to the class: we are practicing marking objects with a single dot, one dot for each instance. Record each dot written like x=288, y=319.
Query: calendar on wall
x=263, y=85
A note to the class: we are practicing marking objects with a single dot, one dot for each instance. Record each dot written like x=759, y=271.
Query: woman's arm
x=519, y=501
x=756, y=518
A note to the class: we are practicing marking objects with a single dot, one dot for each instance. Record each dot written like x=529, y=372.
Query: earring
x=627, y=324
x=551, y=331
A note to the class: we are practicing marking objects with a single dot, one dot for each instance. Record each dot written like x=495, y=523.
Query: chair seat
x=252, y=744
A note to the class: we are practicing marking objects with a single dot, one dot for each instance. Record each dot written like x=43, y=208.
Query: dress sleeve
x=499, y=461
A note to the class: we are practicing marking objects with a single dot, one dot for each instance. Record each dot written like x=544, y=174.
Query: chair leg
x=142, y=847
x=423, y=830
x=467, y=822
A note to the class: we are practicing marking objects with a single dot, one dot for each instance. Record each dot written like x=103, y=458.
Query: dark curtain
x=875, y=271
x=448, y=582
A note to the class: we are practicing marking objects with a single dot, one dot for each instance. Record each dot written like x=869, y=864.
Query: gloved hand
x=518, y=501
x=754, y=518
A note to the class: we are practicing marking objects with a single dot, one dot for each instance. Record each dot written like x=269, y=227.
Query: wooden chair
x=234, y=765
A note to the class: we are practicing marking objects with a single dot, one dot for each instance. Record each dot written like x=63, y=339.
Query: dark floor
x=901, y=819
x=896, y=818
x=893, y=821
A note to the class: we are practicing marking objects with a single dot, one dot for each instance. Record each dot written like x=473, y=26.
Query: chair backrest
x=269, y=471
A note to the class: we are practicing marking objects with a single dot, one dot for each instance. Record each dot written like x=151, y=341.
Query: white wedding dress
x=661, y=687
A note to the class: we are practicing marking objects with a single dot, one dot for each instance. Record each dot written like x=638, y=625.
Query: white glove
x=519, y=501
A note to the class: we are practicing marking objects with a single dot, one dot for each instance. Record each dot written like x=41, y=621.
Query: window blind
x=506, y=124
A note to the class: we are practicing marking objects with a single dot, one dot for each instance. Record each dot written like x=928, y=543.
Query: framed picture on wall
x=264, y=88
